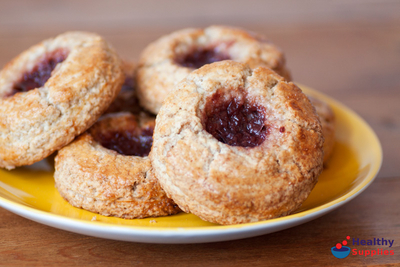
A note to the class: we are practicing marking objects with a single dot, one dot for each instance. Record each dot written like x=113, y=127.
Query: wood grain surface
x=349, y=50
x=374, y=213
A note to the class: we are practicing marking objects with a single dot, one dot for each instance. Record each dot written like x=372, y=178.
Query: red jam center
x=201, y=57
x=130, y=143
x=235, y=121
x=41, y=72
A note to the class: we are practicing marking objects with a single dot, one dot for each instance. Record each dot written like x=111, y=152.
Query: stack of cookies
x=207, y=122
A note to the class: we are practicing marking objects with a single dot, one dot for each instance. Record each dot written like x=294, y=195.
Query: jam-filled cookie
x=171, y=58
x=105, y=170
x=237, y=145
x=328, y=122
x=53, y=92
x=127, y=100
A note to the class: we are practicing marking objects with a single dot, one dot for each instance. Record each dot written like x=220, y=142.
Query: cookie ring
x=171, y=58
x=53, y=92
x=328, y=122
x=96, y=178
x=235, y=145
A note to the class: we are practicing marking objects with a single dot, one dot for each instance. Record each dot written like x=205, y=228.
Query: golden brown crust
x=100, y=180
x=232, y=184
x=158, y=71
x=328, y=122
x=36, y=123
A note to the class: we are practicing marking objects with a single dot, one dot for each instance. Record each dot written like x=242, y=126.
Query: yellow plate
x=357, y=157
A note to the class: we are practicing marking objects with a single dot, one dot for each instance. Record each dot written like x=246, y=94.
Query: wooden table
x=348, y=50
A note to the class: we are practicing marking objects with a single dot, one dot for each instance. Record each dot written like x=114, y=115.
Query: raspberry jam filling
x=235, y=121
x=39, y=75
x=135, y=142
x=200, y=57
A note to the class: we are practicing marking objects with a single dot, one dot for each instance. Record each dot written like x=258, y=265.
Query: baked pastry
x=53, y=92
x=171, y=58
x=127, y=100
x=105, y=170
x=328, y=121
x=236, y=145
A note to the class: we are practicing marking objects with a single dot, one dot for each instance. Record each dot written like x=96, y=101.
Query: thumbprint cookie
x=328, y=121
x=105, y=170
x=53, y=92
x=171, y=58
x=127, y=100
x=237, y=145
